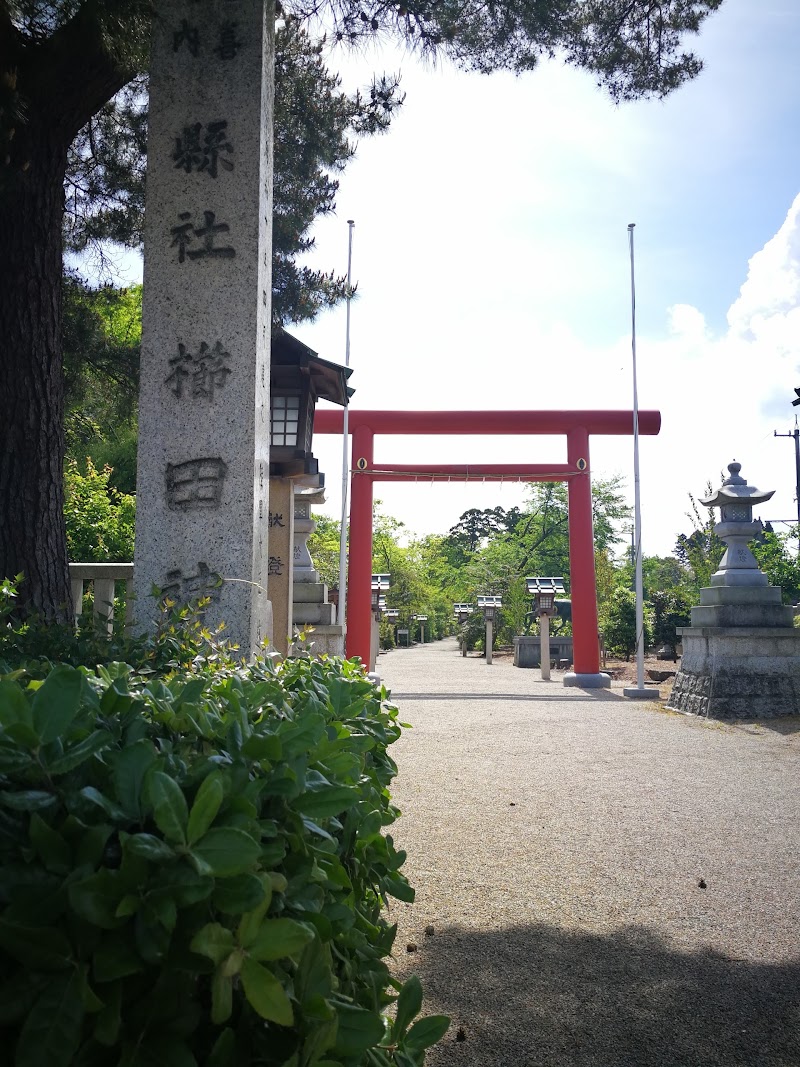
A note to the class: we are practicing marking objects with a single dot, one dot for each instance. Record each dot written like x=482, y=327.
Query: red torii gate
x=577, y=425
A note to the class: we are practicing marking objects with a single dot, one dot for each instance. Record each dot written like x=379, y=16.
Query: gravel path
x=600, y=882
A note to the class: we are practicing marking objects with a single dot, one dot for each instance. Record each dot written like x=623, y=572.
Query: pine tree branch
x=74, y=72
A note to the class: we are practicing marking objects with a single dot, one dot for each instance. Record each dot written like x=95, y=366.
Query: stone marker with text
x=203, y=475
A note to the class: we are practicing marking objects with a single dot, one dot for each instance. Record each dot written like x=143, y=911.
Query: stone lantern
x=489, y=605
x=736, y=500
x=462, y=612
x=741, y=654
x=298, y=379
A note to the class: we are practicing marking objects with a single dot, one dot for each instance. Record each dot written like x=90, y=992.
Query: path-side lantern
x=489, y=605
x=462, y=611
x=380, y=586
x=544, y=591
x=392, y=614
x=298, y=379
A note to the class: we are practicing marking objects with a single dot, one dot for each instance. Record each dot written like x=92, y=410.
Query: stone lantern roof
x=735, y=490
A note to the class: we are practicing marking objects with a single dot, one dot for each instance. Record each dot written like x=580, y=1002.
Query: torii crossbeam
x=577, y=426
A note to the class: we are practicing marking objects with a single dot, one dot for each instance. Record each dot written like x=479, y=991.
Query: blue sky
x=491, y=255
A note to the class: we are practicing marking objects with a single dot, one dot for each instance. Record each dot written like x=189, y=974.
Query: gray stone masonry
x=741, y=654
x=202, y=486
x=311, y=607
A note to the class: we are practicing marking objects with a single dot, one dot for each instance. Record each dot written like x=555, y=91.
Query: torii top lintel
x=488, y=422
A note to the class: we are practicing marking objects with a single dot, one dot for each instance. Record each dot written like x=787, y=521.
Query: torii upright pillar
x=359, y=560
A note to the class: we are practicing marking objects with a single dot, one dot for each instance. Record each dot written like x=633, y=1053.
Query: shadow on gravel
x=598, y=694
x=537, y=996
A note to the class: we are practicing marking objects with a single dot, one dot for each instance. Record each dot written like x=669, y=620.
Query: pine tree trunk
x=32, y=528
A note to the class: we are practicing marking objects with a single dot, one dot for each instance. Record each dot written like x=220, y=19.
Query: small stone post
x=544, y=645
x=280, y=564
x=203, y=476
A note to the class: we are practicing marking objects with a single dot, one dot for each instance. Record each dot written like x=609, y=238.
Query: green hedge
x=193, y=869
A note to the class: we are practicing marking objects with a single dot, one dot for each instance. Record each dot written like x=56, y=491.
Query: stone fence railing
x=104, y=578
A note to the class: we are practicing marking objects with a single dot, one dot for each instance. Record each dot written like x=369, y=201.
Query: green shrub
x=193, y=868
x=100, y=519
x=386, y=635
x=619, y=624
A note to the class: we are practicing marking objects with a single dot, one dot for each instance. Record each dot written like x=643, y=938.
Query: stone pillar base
x=588, y=681
x=641, y=694
x=741, y=673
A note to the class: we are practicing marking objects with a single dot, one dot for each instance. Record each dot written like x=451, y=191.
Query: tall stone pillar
x=203, y=476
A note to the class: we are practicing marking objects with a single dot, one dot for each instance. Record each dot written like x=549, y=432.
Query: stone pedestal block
x=742, y=673
x=527, y=650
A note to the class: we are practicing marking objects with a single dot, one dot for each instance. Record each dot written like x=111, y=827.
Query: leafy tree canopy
x=315, y=123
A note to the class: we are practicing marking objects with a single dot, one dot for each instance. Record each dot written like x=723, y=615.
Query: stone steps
x=324, y=614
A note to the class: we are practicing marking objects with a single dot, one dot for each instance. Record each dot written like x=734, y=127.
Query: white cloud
x=770, y=297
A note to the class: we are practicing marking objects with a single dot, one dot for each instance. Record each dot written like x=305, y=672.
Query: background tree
x=324, y=547
x=61, y=61
x=315, y=127
x=102, y=335
x=779, y=562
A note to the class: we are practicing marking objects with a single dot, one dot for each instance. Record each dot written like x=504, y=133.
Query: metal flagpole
x=345, y=444
x=639, y=690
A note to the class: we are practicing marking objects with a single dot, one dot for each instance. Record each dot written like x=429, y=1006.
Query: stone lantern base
x=738, y=672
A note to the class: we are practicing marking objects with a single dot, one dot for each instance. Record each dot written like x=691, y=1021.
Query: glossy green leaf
x=97, y=898
x=107, y=1024
x=224, y=1050
x=227, y=851
x=23, y=734
x=409, y=1005
x=398, y=887
x=169, y=806
x=358, y=1030
x=426, y=1032
x=77, y=754
x=206, y=806
x=116, y=957
x=164, y=1050
x=277, y=938
x=14, y=707
x=52, y=1030
x=95, y=797
x=90, y=1000
x=214, y=941
x=53, y=850
x=27, y=800
x=149, y=847
x=265, y=994
x=221, y=997
x=327, y=801
x=237, y=895
x=130, y=768
x=12, y=759
x=57, y=702
x=41, y=948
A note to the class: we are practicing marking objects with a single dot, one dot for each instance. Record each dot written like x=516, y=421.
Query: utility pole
x=796, y=435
